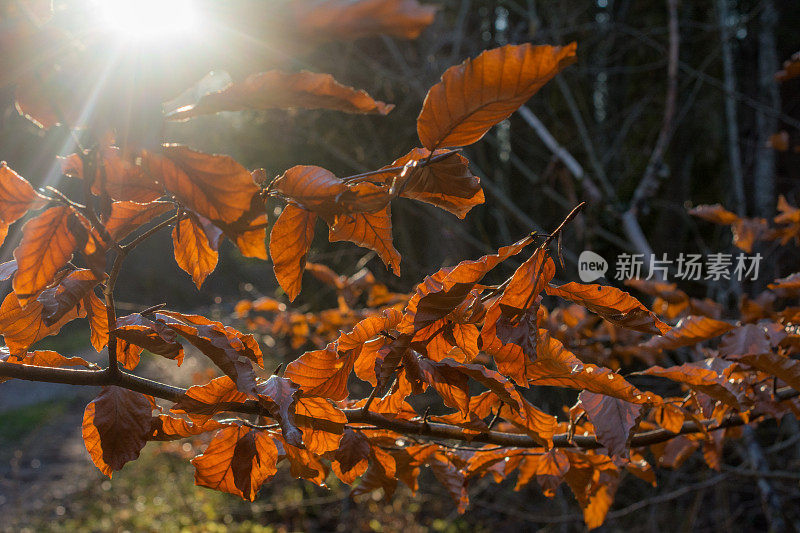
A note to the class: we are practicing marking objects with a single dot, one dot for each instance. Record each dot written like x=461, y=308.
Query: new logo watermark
x=591, y=266
x=687, y=267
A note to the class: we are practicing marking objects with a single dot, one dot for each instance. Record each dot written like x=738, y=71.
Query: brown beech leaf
x=689, y=331
x=195, y=250
x=527, y=282
x=16, y=196
x=68, y=294
x=313, y=188
x=494, y=381
x=322, y=372
x=22, y=327
x=201, y=402
x=47, y=358
x=284, y=90
x=452, y=385
x=119, y=176
x=279, y=397
x=321, y=422
x=715, y=214
x=304, y=464
x=289, y=242
x=613, y=419
x=351, y=459
x=370, y=230
x=227, y=348
x=167, y=428
x=238, y=461
x=477, y=94
x=594, y=480
x=512, y=343
x=342, y=20
x=747, y=339
x=532, y=421
x=389, y=357
x=558, y=367
x=97, y=313
x=116, y=425
x=701, y=377
x=214, y=186
x=447, y=183
x=127, y=217
x=150, y=333
x=46, y=246
x=452, y=478
x=614, y=305
x=444, y=291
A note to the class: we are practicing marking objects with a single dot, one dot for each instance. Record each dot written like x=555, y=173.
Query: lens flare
x=140, y=20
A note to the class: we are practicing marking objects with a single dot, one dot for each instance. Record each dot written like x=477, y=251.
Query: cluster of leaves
x=477, y=348
x=748, y=231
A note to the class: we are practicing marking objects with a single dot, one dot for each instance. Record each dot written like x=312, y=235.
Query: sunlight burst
x=148, y=19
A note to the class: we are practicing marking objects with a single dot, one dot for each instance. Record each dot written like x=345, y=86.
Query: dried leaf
x=616, y=306
x=477, y=94
x=284, y=90
x=370, y=230
x=116, y=426
x=288, y=246
x=237, y=461
x=195, y=251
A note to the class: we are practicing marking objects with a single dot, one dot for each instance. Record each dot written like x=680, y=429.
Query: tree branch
x=357, y=416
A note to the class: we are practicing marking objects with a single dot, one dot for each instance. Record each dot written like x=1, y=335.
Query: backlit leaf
x=285, y=90
x=46, y=246
x=477, y=94
x=613, y=419
x=237, y=461
x=288, y=246
x=116, y=425
x=195, y=251
x=616, y=306
x=370, y=230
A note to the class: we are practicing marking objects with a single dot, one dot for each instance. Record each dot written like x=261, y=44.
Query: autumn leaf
x=370, y=230
x=444, y=291
x=446, y=183
x=558, y=367
x=322, y=372
x=127, y=217
x=227, y=348
x=477, y=94
x=289, y=243
x=702, y=377
x=614, y=305
x=150, y=333
x=715, y=214
x=116, y=426
x=67, y=295
x=312, y=188
x=688, y=332
x=214, y=186
x=46, y=246
x=285, y=90
x=201, y=402
x=195, y=250
x=341, y=20
x=279, y=397
x=613, y=419
x=237, y=461
x=351, y=459
x=21, y=327
x=321, y=422
x=120, y=176
x=17, y=196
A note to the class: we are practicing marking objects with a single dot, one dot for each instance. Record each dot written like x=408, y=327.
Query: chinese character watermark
x=685, y=267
